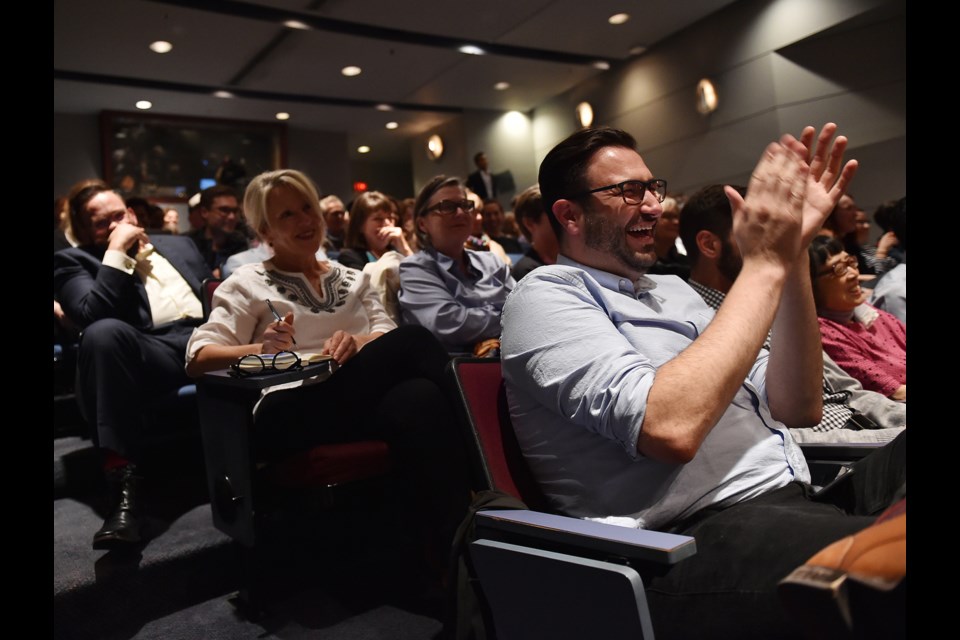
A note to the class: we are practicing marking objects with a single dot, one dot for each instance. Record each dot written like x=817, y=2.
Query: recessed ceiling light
x=222, y=94
x=296, y=24
x=603, y=65
x=351, y=71
x=618, y=18
x=637, y=50
x=472, y=50
x=392, y=125
x=383, y=107
x=363, y=149
x=161, y=46
x=501, y=86
x=282, y=115
x=143, y=104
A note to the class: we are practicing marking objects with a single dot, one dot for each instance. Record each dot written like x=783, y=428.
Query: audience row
x=390, y=289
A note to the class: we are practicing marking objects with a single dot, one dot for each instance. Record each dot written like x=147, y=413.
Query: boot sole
x=113, y=541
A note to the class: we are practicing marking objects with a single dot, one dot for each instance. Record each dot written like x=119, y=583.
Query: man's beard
x=730, y=261
x=602, y=235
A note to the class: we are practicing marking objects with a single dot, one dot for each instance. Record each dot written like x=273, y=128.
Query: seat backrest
x=498, y=461
x=206, y=303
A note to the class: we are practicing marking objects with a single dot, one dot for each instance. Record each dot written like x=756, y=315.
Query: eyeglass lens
x=844, y=265
x=633, y=191
x=253, y=363
x=448, y=207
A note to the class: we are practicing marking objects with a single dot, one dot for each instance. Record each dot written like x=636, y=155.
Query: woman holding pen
x=389, y=382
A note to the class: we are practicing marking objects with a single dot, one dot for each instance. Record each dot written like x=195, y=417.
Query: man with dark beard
x=850, y=413
x=634, y=403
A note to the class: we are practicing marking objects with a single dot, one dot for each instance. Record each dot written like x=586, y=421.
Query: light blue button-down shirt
x=459, y=309
x=581, y=349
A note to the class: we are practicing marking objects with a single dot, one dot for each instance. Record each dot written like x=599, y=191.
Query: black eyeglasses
x=228, y=210
x=632, y=191
x=840, y=267
x=254, y=363
x=449, y=207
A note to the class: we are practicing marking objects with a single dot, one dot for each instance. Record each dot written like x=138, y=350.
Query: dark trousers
x=120, y=372
x=395, y=390
x=728, y=589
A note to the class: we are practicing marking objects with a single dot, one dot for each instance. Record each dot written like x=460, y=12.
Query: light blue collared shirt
x=460, y=310
x=890, y=292
x=580, y=349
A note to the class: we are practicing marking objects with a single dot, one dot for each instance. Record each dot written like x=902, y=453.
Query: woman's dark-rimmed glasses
x=840, y=267
x=254, y=364
x=449, y=207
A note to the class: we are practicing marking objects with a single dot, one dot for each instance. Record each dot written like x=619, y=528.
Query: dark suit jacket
x=475, y=184
x=88, y=291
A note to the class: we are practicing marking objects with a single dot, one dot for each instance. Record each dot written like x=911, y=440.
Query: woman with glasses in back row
x=868, y=343
x=456, y=293
x=390, y=381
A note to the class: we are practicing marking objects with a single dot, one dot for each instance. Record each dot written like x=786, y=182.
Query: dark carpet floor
x=343, y=574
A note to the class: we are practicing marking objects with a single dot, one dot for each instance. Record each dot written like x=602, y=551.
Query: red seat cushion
x=333, y=464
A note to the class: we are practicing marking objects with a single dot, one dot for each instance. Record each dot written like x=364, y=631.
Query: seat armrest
x=595, y=538
x=844, y=451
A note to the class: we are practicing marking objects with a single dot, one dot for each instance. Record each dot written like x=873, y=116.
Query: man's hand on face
x=125, y=236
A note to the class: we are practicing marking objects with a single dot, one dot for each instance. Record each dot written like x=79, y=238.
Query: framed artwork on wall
x=171, y=158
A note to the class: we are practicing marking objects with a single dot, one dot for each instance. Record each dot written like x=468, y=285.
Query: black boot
x=122, y=527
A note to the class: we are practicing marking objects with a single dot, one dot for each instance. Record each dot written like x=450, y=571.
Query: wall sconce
x=706, y=97
x=434, y=147
x=584, y=114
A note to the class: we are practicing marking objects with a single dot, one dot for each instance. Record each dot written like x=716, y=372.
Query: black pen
x=279, y=318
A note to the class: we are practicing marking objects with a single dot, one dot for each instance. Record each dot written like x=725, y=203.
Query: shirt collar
x=713, y=297
x=607, y=280
x=863, y=314
x=448, y=264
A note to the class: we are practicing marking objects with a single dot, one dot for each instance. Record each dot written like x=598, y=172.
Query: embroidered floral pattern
x=335, y=287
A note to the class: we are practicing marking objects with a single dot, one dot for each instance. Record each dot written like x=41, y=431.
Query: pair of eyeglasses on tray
x=255, y=364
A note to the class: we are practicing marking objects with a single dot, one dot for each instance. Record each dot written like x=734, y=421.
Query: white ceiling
x=102, y=60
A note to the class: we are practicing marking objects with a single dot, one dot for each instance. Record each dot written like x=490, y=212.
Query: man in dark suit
x=481, y=181
x=136, y=299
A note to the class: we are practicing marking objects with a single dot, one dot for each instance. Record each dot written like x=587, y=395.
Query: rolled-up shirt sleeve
x=570, y=358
